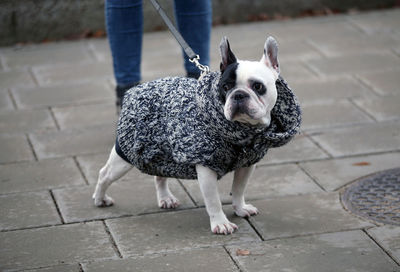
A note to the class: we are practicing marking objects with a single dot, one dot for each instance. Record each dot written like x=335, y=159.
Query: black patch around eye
x=227, y=81
x=258, y=87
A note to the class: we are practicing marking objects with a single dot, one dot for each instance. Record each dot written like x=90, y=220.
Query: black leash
x=193, y=57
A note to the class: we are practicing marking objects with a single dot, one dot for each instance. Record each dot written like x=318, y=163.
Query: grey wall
x=39, y=20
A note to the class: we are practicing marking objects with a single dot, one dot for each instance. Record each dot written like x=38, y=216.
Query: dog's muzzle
x=239, y=101
x=240, y=97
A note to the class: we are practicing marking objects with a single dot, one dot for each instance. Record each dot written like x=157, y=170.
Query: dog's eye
x=259, y=88
x=226, y=87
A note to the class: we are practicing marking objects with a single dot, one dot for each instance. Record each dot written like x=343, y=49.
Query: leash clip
x=203, y=68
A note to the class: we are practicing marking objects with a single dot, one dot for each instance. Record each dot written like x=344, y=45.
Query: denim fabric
x=194, y=19
x=124, y=23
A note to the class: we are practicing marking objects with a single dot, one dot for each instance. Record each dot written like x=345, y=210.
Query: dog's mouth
x=240, y=110
x=244, y=114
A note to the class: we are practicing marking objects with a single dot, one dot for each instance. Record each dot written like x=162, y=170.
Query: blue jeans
x=124, y=22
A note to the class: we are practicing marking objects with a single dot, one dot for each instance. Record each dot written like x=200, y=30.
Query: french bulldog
x=183, y=128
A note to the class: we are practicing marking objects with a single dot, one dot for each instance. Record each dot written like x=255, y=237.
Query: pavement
x=57, y=123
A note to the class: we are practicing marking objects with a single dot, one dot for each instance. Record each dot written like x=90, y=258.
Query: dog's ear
x=270, y=56
x=226, y=54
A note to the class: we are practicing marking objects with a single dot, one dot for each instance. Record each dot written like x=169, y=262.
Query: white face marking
x=258, y=107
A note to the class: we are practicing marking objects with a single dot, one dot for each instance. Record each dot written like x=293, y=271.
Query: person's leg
x=194, y=18
x=124, y=23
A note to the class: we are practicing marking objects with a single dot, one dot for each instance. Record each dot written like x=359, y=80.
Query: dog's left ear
x=270, y=56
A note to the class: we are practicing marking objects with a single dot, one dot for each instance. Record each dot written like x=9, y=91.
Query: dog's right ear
x=226, y=54
x=270, y=56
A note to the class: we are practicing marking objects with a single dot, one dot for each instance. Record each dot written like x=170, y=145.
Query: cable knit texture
x=168, y=126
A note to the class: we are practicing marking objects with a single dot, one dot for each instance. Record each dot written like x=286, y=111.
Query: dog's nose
x=239, y=96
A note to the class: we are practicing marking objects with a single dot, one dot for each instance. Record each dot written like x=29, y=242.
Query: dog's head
x=247, y=88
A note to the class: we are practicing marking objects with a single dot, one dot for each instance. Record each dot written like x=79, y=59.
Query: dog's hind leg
x=165, y=199
x=114, y=169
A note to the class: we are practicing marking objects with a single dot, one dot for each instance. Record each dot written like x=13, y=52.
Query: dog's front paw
x=245, y=210
x=168, y=202
x=222, y=226
x=106, y=201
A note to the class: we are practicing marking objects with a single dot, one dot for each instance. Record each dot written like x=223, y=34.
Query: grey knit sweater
x=168, y=126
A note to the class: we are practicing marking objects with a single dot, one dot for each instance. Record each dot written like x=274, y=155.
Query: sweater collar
x=285, y=116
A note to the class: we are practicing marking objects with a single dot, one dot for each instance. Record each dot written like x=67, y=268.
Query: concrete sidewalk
x=57, y=122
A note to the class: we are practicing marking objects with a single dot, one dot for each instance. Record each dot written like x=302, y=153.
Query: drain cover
x=376, y=197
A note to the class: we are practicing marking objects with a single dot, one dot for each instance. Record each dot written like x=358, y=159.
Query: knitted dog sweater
x=169, y=125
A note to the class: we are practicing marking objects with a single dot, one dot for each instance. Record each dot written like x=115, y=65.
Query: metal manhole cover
x=376, y=197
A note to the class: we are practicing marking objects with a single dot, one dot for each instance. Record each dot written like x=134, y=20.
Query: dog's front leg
x=208, y=186
x=240, y=179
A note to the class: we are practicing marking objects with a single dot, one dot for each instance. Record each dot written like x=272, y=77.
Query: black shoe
x=120, y=91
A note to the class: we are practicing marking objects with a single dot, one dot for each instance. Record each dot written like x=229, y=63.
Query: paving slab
x=67, y=94
x=16, y=78
x=335, y=173
x=383, y=82
x=266, y=182
x=308, y=28
x=332, y=114
x=5, y=101
x=151, y=49
x=359, y=140
x=82, y=72
x=91, y=165
x=14, y=148
x=72, y=142
x=101, y=49
x=299, y=50
x=54, y=245
x=26, y=210
x=151, y=45
x=301, y=148
x=357, y=43
x=86, y=115
x=39, y=175
x=52, y=53
x=385, y=21
x=131, y=198
x=301, y=215
x=366, y=62
x=381, y=108
x=155, y=57
x=389, y=238
x=199, y=260
x=295, y=71
x=59, y=268
x=2, y=68
x=174, y=232
x=23, y=121
x=342, y=251
x=162, y=61
x=317, y=91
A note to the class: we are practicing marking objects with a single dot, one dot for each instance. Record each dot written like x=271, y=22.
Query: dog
x=183, y=128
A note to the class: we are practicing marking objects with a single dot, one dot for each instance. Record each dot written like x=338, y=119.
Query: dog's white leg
x=240, y=179
x=165, y=199
x=208, y=185
x=115, y=168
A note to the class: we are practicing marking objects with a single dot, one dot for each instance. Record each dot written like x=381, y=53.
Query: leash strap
x=193, y=57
